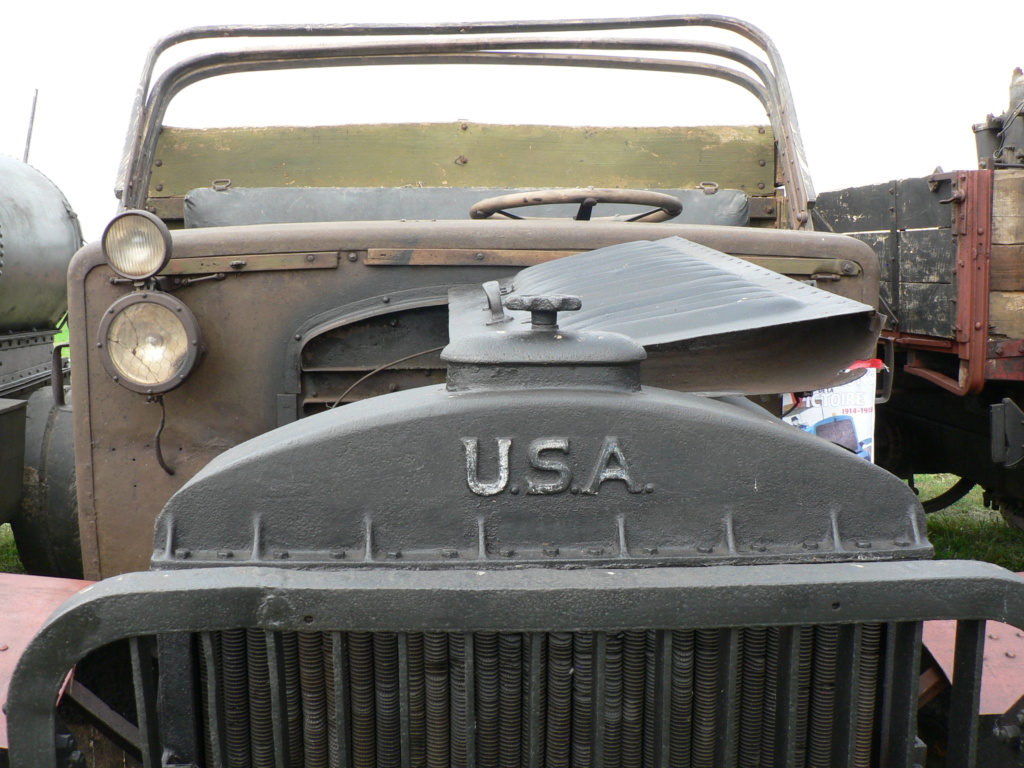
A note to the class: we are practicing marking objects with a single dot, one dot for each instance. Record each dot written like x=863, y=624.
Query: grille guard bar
x=278, y=599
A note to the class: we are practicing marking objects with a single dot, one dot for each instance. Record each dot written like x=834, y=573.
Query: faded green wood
x=464, y=155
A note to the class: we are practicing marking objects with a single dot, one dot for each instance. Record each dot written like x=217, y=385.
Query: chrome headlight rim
x=188, y=323
x=161, y=229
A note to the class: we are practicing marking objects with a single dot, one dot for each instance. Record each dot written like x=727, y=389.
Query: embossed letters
x=552, y=473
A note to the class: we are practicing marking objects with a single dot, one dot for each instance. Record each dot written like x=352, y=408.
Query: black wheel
x=949, y=495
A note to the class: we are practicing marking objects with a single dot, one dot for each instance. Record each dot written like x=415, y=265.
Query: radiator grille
x=632, y=699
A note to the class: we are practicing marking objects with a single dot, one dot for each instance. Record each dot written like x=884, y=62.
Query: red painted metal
x=28, y=602
x=973, y=222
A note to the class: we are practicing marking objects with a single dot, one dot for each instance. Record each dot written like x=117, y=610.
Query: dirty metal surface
x=27, y=602
x=439, y=257
x=674, y=289
x=1002, y=678
x=121, y=486
x=257, y=262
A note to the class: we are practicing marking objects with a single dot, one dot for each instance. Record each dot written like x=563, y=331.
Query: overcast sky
x=883, y=90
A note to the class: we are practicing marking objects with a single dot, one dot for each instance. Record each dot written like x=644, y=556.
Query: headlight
x=136, y=244
x=149, y=342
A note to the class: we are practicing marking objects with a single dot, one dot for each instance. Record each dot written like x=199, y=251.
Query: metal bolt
x=551, y=551
x=761, y=163
x=158, y=163
x=281, y=554
x=339, y=555
x=574, y=489
x=182, y=554
x=238, y=264
x=352, y=257
x=770, y=209
x=704, y=549
x=649, y=488
x=758, y=547
x=449, y=553
x=395, y=555
x=465, y=126
x=1011, y=655
x=760, y=185
x=650, y=550
x=863, y=545
x=310, y=258
x=225, y=554
x=506, y=552
x=761, y=130
x=160, y=188
x=993, y=636
x=4, y=647
x=386, y=299
x=514, y=490
x=849, y=267
x=810, y=545
x=298, y=337
x=595, y=551
x=478, y=256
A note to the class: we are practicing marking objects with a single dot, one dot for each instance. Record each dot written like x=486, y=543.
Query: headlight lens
x=149, y=342
x=136, y=244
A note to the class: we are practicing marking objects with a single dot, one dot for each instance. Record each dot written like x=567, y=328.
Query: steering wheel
x=664, y=207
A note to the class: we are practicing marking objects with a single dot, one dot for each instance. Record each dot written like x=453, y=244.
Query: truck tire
x=46, y=527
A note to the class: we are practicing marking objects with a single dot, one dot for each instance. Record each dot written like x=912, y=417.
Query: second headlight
x=149, y=342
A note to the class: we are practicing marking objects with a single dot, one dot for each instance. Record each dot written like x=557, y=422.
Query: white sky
x=883, y=90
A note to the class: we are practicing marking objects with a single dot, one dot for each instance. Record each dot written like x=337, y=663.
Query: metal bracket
x=1007, y=429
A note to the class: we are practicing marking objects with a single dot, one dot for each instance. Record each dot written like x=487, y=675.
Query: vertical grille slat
x=559, y=701
x=278, y=699
x=293, y=696
x=234, y=677
x=213, y=699
x=633, y=661
x=144, y=683
x=414, y=699
x=338, y=699
x=435, y=653
x=510, y=701
x=963, y=714
x=751, y=697
x=385, y=667
x=313, y=694
x=364, y=732
x=683, y=655
x=820, y=727
x=610, y=679
x=535, y=714
x=485, y=656
x=261, y=716
x=650, y=671
x=582, y=698
x=729, y=665
x=867, y=693
x=705, y=698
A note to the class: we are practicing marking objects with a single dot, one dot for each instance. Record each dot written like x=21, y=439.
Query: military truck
x=950, y=248
x=421, y=480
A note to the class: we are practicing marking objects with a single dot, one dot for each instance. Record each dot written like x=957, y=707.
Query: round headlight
x=136, y=244
x=149, y=342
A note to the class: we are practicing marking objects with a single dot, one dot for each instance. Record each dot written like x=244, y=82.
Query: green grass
x=967, y=530
x=9, y=562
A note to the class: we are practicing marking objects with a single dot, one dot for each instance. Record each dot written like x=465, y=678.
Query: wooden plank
x=1006, y=314
x=465, y=155
x=927, y=255
x=928, y=309
x=1006, y=269
x=857, y=209
x=918, y=206
x=1008, y=207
